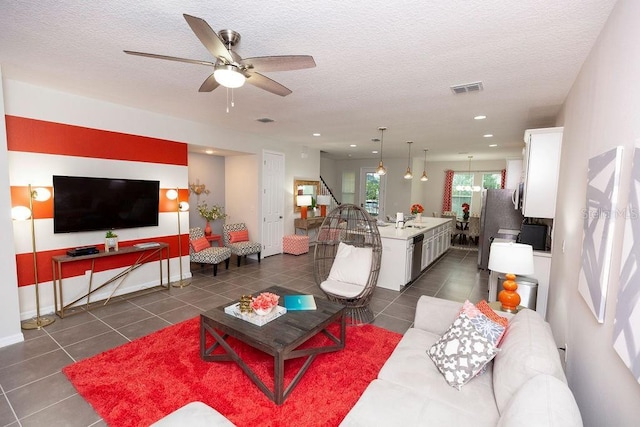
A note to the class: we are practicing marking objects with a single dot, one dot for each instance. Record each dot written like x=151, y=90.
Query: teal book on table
x=299, y=302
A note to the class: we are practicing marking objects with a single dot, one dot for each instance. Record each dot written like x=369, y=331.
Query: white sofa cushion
x=348, y=290
x=351, y=265
x=194, y=414
x=385, y=404
x=542, y=401
x=527, y=349
x=410, y=367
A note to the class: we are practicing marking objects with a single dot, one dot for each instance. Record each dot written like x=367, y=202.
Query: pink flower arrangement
x=465, y=207
x=265, y=301
x=416, y=208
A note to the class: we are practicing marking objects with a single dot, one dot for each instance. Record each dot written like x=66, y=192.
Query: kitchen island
x=429, y=239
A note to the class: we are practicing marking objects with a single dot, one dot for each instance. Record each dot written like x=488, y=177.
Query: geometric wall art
x=626, y=327
x=599, y=217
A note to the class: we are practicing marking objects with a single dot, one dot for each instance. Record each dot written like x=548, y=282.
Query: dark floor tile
x=30, y=370
x=144, y=327
x=181, y=314
x=95, y=345
x=40, y=394
x=70, y=412
x=80, y=332
x=401, y=311
x=22, y=351
x=164, y=305
x=134, y=315
x=392, y=323
x=7, y=416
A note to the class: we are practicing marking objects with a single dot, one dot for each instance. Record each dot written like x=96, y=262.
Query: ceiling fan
x=230, y=69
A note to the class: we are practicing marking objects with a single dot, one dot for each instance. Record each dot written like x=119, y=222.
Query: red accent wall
x=37, y=136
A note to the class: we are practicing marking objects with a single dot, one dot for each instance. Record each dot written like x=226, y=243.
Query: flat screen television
x=89, y=204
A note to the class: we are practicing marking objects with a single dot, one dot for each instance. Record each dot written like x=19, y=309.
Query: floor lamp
x=23, y=213
x=180, y=207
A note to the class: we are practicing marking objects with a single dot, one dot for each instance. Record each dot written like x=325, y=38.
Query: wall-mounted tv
x=89, y=204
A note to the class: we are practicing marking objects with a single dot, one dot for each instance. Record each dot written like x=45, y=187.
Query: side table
x=214, y=238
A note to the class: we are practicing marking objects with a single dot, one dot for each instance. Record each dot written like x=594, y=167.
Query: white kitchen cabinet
x=541, y=170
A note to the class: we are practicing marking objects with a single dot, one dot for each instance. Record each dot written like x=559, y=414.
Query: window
x=348, y=187
x=490, y=180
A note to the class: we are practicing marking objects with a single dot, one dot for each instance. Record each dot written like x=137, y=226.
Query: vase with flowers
x=264, y=303
x=465, y=211
x=210, y=214
x=417, y=209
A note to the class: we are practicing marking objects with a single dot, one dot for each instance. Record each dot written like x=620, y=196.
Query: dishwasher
x=416, y=259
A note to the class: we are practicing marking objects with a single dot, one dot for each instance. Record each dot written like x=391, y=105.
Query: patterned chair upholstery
x=453, y=229
x=473, y=231
x=240, y=249
x=212, y=255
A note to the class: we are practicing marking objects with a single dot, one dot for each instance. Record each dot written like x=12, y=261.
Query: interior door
x=272, y=202
x=372, y=191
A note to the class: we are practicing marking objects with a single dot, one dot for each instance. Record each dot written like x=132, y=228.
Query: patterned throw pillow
x=200, y=243
x=491, y=325
x=461, y=352
x=238, y=236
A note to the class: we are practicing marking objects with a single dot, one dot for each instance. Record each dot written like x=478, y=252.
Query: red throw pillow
x=238, y=236
x=200, y=243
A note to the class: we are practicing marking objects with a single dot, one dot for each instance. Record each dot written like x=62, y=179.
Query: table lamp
x=303, y=201
x=510, y=258
x=324, y=200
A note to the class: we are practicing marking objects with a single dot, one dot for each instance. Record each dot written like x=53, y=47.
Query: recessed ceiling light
x=493, y=145
x=353, y=145
x=374, y=152
x=209, y=151
x=488, y=135
x=316, y=134
x=480, y=117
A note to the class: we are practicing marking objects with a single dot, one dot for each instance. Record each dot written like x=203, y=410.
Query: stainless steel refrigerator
x=498, y=212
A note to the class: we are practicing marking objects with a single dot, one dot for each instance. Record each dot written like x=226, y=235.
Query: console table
x=307, y=224
x=158, y=252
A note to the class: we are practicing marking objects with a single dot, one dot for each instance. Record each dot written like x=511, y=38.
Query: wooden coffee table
x=280, y=338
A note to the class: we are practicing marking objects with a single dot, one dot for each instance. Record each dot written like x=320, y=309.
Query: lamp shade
x=324, y=200
x=228, y=76
x=303, y=200
x=509, y=257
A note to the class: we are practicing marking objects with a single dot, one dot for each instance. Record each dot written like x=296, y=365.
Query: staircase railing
x=324, y=189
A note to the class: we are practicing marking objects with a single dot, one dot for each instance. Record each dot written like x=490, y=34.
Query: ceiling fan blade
x=170, y=58
x=208, y=37
x=280, y=63
x=267, y=84
x=209, y=84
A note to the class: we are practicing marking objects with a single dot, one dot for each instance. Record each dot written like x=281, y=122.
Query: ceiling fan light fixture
x=229, y=76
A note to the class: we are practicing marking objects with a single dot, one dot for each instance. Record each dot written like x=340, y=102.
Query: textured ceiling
x=379, y=63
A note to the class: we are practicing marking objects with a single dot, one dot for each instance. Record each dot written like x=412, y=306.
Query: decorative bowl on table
x=264, y=303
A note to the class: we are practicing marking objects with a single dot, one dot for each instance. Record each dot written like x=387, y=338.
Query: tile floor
x=34, y=391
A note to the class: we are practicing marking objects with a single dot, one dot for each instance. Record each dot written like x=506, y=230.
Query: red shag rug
x=140, y=382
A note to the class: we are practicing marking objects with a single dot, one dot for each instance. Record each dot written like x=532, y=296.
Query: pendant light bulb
x=408, y=174
x=381, y=170
x=424, y=177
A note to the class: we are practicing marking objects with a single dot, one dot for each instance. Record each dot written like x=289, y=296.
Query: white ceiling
x=379, y=63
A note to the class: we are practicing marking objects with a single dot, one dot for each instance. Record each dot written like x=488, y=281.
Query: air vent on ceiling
x=466, y=88
x=265, y=120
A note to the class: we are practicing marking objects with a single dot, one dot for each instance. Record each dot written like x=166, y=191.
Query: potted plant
x=111, y=241
x=210, y=214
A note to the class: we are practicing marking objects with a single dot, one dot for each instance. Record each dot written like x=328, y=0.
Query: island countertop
x=411, y=229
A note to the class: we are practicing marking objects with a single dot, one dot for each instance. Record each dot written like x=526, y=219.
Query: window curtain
x=503, y=178
x=446, y=194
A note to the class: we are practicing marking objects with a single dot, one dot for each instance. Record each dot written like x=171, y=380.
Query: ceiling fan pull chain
x=227, y=100
x=233, y=104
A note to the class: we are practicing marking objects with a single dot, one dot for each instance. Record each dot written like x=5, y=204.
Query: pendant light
x=424, y=177
x=408, y=174
x=381, y=170
x=469, y=188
